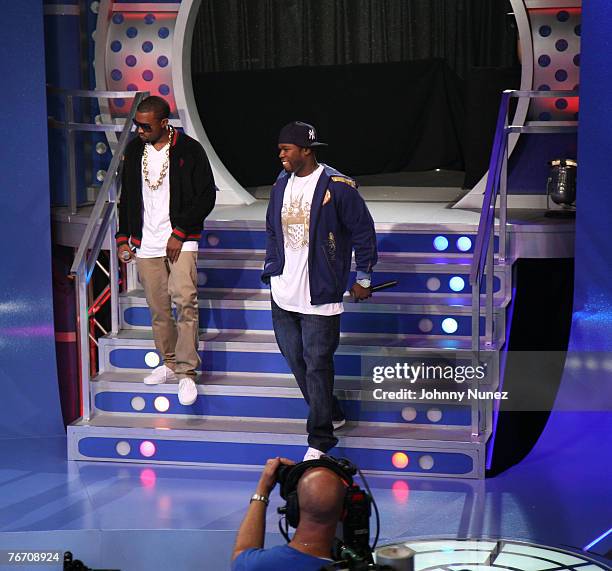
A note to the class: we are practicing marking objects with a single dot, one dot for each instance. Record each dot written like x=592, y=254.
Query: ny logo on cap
x=311, y=134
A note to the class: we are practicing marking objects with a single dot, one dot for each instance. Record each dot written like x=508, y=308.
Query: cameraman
x=321, y=495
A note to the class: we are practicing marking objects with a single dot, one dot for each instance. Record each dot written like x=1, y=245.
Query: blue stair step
x=436, y=278
x=251, y=312
x=218, y=236
x=258, y=352
x=269, y=397
x=249, y=443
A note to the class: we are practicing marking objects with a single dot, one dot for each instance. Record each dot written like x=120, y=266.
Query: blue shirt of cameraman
x=281, y=558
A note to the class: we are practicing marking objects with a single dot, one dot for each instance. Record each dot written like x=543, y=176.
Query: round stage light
x=433, y=284
x=138, y=403
x=152, y=359
x=440, y=243
x=123, y=448
x=147, y=448
x=94, y=7
x=213, y=240
x=426, y=462
x=148, y=478
x=409, y=413
x=100, y=175
x=425, y=325
x=400, y=460
x=449, y=325
x=401, y=491
x=464, y=244
x=456, y=283
x=101, y=148
x=434, y=415
x=161, y=404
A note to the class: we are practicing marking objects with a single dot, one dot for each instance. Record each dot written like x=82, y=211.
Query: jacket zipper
x=330, y=267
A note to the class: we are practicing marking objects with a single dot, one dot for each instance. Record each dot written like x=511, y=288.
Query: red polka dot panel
x=556, y=61
x=139, y=56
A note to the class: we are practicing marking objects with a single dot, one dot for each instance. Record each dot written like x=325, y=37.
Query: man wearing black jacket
x=167, y=191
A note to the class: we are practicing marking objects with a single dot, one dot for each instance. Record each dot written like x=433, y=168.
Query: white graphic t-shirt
x=156, y=227
x=291, y=290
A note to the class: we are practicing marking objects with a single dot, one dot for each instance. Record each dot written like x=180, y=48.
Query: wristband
x=259, y=498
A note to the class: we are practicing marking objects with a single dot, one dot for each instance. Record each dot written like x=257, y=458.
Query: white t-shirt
x=291, y=290
x=156, y=227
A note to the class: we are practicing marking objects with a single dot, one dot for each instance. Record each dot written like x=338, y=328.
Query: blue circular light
x=132, y=87
x=456, y=283
x=116, y=74
x=545, y=31
x=544, y=87
x=464, y=244
x=116, y=46
x=561, y=104
x=544, y=61
x=561, y=45
x=130, y=61
x=147, y=47
x=149, y=18
x=162, y=61
x=561, y=75
x=163, y=32
x=440, y=243
x=164, y=89
x=449, y=325
x=118, y=18
x=131, y=32
x=563, y=16
x=147, y=75
x=577, y=60
x=119, y=102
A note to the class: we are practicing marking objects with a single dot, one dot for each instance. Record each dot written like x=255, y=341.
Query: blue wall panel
x=575, y=443
x=29, y=403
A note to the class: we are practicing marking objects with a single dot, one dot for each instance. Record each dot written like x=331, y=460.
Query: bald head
x=321, y=496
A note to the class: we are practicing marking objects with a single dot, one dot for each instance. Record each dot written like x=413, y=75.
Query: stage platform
x=136, y=518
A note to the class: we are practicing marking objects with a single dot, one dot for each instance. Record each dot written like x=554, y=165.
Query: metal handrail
x=483, y=256
x=102, y=223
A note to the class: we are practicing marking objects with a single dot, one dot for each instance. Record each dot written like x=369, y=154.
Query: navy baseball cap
x=300, y=134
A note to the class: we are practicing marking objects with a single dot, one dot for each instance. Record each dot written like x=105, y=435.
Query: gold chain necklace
x=164, y=170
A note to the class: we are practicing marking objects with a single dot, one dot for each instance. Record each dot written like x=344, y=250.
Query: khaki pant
x=165, y=283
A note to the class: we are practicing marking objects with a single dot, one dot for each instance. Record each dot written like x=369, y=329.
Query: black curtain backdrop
x=384, y=81
x=376, y=118
x=238, y=35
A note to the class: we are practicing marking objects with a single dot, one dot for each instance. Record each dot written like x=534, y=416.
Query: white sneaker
x=160, y=375
x=187, y=392
x=313, y=454
x=338, y=424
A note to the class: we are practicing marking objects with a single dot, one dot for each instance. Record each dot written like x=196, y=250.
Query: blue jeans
x=308, y=343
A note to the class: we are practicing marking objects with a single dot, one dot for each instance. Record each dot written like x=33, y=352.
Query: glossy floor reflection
x=137, y=516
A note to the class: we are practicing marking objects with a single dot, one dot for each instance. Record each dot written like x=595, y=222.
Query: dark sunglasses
x=144, y=126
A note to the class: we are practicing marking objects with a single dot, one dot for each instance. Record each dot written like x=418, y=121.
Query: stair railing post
x=489, y=289
x=83, y=341
x=503, y=196
x=476, y=314
x=474, y=408
x=70, y=155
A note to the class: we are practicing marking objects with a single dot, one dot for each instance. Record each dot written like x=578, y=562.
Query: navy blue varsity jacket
x=339, y=222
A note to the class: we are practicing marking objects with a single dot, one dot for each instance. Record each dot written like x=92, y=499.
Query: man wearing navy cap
x=315, y=218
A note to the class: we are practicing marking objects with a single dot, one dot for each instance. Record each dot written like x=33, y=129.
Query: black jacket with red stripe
x=192, y=190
